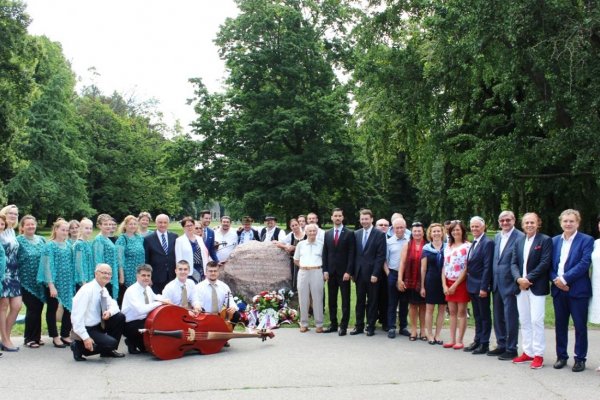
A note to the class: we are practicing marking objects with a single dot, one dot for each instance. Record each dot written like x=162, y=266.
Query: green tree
x=18, y=60
x=276, y=140
x=50, y=174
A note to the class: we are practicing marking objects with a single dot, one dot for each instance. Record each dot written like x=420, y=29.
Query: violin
x=170, y=331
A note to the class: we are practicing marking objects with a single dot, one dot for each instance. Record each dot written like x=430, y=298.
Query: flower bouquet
x=270, y=309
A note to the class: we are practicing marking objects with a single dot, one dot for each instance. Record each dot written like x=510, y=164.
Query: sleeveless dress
x=28, y=257
x=105, y=252
x=11, y=286
x=455, y=261
x=83, y=261
x=130, y=254
x=434, y=291
x=412, y=273
x=56, y=266
x=594, y=312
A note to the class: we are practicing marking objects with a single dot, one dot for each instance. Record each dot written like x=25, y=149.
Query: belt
x=309, y=268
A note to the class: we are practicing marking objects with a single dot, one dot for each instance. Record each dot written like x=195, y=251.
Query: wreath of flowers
x=269, y=309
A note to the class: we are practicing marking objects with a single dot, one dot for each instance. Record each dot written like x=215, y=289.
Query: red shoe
x=458, y=346
x=448, y=345
x=537, y=363
x=523, y=358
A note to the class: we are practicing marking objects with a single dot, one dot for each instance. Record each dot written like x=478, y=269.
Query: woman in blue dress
x=144, y=220
x=57, y=273
x=83, y=259
x=130, y=253
x=432, y=263
x=34, y=296
x=10, y=297
x=105, y=252
x=73, y=231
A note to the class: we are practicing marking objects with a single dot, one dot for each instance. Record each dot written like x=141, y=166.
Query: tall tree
x=50, y=175
x=277, y=139
x=18, y=60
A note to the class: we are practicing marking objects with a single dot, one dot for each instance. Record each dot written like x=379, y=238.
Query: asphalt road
x=295, y=365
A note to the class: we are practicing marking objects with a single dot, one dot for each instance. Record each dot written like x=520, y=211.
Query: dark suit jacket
x=163, y=265
x=539, y=262
x=339, y=259
x=209, y=241
x=369, y=262
x=502, y=278
x=254, y=231
x=577, y=266
x=479, y=266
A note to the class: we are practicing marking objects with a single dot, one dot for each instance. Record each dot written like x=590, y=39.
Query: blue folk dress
x=28, y=257
x=83, y=261
x=130, y=254
x=56, y=266
x=105, y=252
x=11, y=286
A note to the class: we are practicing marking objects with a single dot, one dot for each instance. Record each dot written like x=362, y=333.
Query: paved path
x=294, y=366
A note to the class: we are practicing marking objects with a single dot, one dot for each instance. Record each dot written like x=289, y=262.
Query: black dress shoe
x=370, y=332
x=113, y=354
x=507, y=355
x=497, y=351
x=578, y=366
x=391, y=333
x=342, y=332
x=76, y=348
x=356, y=331
x=404, y=332
x=560, y=363
x=331, y=329
x=471, y=347
x=481, y=349
x=131, y=348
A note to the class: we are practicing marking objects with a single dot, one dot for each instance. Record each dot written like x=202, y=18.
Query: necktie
x=336, y=237
x=163, y=241
x=146, y=300
x=103, y=307
x=472, y=249
x=184, y=296
x=365, y=238
x=215, y=299
x=204, y=235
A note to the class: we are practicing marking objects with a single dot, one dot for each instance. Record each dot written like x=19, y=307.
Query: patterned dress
x=83, y=261
x=56, y=266
x=28, y=257
x=130, y=254
x=105, y=252
x=11, y=286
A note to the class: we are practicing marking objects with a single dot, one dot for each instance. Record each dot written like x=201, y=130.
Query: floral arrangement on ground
x=269, y=309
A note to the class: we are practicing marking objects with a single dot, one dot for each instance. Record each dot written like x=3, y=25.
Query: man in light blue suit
x=504, y=288
x=571, y=287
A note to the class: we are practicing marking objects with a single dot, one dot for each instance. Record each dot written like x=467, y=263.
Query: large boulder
x=256, y=266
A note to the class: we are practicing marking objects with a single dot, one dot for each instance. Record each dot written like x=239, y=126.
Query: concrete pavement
x=295, y=365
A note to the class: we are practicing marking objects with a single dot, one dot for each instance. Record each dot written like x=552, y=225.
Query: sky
x=141, y=48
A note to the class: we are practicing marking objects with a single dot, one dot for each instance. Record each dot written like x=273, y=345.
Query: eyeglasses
x=505, y=220
x=105, y=273
x=198, y=228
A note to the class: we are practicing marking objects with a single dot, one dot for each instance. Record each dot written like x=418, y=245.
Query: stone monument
x=256, y=266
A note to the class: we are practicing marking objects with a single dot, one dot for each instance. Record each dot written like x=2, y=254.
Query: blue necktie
x=365, y=238
x=163, y=241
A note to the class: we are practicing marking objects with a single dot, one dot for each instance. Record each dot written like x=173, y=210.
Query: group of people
x=405, y=273
x=107, y=286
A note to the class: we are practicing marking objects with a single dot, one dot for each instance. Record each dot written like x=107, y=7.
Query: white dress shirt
x=203, y=296
x=227, y=242
x=564, y=254
x=134, y=302
x=309, y=254
x=269, y=234
x=174, y=288
x=504, y=239
x=87, y=310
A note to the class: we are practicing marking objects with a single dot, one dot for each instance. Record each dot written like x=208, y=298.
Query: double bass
x=170, y=331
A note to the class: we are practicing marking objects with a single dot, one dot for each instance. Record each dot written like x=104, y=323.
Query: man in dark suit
x=369, y=250
x=571, y=287
x=530, y=268
x=338, y=266
x=208, y=235
x=160, y=254
x=479, y=279
x=506, y=314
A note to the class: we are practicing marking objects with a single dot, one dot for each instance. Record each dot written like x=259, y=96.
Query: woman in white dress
x=594, y=311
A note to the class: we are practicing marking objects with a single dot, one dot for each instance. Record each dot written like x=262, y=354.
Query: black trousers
x=382, y=306
x=335, y=284
x=366, y=300
x=134, y=337
x=33, y=316
x=483, y=318
x=397, y=302
x=65, y=324
x=105, y=340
